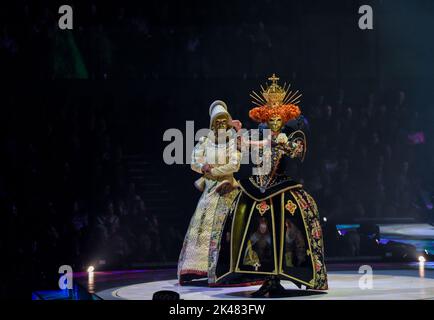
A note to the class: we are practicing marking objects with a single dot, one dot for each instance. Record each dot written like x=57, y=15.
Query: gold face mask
x=220, y=123
x=275, y=123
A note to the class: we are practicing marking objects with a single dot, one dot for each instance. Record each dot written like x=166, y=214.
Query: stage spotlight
x=421, y=259
x=90, y=269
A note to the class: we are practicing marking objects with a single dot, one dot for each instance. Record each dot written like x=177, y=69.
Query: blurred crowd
x=107, y=38
x=86, y=211
x=370, y=161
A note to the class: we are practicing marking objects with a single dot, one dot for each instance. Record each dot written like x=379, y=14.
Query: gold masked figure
x=216, y=158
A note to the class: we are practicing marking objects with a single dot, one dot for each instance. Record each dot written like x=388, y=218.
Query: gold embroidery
x=271, y=195
x=262, y=207
x=291, y=206
x=251, y=258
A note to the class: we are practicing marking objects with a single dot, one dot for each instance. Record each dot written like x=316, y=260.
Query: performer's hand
x=237, y=125
x=206, y=168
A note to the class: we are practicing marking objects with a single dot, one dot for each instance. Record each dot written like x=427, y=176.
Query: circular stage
x=344, y=285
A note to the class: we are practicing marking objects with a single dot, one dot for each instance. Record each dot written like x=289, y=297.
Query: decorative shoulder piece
x=297, y=144
x=293, y=145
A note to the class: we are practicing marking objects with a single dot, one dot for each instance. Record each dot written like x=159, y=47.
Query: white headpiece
x=216, y=109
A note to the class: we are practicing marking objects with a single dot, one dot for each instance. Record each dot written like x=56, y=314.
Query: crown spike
x=290, y=97
x=254, y=102
x=288, y=93
x=296, y=98
x=258, y=97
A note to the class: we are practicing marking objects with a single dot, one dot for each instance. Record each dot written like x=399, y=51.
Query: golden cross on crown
x=273, y=78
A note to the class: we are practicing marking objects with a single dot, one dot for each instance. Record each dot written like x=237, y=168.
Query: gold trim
x=219, y=278
x=276, y=268
x=279, y=266
x=282, y=226
x=308, y=240
x=231, y=269
x=255, y=272
x=237, y=269
x=232, y=231
x=282, y=243
x=301, y=281
x=272, y=195
x=244, y=236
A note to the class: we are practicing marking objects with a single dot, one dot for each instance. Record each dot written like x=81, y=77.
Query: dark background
x=83, y=114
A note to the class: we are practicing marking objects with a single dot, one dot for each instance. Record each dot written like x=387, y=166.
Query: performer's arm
x=232, y=166
x=198, y=156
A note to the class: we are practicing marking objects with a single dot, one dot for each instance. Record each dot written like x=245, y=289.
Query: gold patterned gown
x=200, y=253
x=274, y=229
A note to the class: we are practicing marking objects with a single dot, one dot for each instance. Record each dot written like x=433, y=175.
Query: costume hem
x=241, y=284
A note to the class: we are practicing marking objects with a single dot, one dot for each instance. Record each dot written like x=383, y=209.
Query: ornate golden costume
x=274, y=230
x=200, y=251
